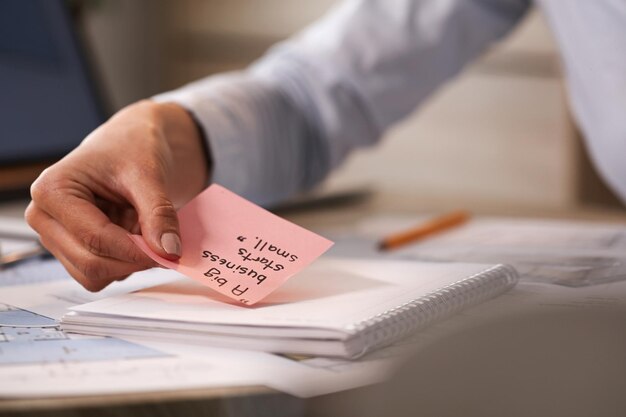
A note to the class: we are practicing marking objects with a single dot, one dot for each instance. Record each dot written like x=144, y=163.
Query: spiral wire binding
x=394, y=324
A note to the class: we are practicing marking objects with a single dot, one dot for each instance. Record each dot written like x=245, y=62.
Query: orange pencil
x=429, y=228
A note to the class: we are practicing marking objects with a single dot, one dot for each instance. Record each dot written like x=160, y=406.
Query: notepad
x=336, y=307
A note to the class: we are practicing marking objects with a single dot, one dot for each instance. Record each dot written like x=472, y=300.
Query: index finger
x=97, y=233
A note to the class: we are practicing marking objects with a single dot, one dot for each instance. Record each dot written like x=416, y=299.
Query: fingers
x=92, y=271
x=83, y=222
x=124, y=216
x=117, y=180
x=157, y=218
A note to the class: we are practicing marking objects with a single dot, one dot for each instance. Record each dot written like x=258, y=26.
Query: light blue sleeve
x=281, y=125
x=592, y=41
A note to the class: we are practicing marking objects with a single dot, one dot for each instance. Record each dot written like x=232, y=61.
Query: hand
x=129, y=175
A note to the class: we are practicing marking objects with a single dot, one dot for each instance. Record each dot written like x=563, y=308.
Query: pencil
x=429, y=228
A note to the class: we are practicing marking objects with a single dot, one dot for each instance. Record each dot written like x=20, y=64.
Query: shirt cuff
x=224, y=108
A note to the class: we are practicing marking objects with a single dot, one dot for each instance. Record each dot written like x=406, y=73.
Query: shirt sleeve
x=592, y=42
x=281, y=125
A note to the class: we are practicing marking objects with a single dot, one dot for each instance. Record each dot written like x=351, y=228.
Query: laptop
x=49, y=101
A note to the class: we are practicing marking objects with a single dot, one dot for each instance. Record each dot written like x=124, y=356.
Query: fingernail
x=171, y=243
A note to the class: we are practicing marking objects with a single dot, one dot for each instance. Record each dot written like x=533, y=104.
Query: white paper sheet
x=316, y=376
x=77, y=365
x=330, y=294
x=553, y=252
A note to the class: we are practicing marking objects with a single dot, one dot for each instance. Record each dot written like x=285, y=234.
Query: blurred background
x=500, y=135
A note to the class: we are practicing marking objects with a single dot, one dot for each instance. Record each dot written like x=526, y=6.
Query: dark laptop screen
x=47, y=102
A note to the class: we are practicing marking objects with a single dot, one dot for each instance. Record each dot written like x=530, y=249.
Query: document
x=29, y=338
x=567, y=253
x=237, y=248
x=38, y=359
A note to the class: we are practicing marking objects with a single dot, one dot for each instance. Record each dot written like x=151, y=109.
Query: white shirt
x=283, y=124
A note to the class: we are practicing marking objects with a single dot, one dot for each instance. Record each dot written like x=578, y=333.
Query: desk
x=558, y=361
x=528, y=382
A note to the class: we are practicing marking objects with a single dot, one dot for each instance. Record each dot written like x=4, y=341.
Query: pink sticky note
x=237, y=248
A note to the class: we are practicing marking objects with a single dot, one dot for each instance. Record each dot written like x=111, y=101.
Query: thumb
x=158, y=221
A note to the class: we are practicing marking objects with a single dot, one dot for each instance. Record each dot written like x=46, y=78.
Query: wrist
x=185, y=136
x=188, y=157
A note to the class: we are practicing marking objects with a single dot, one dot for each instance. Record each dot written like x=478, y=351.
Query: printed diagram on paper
x=29, y=338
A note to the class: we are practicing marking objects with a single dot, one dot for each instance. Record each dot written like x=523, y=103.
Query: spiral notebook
x=336, y=307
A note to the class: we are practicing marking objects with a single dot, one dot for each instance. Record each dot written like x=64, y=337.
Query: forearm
x=262, y=145
x=282, y=125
